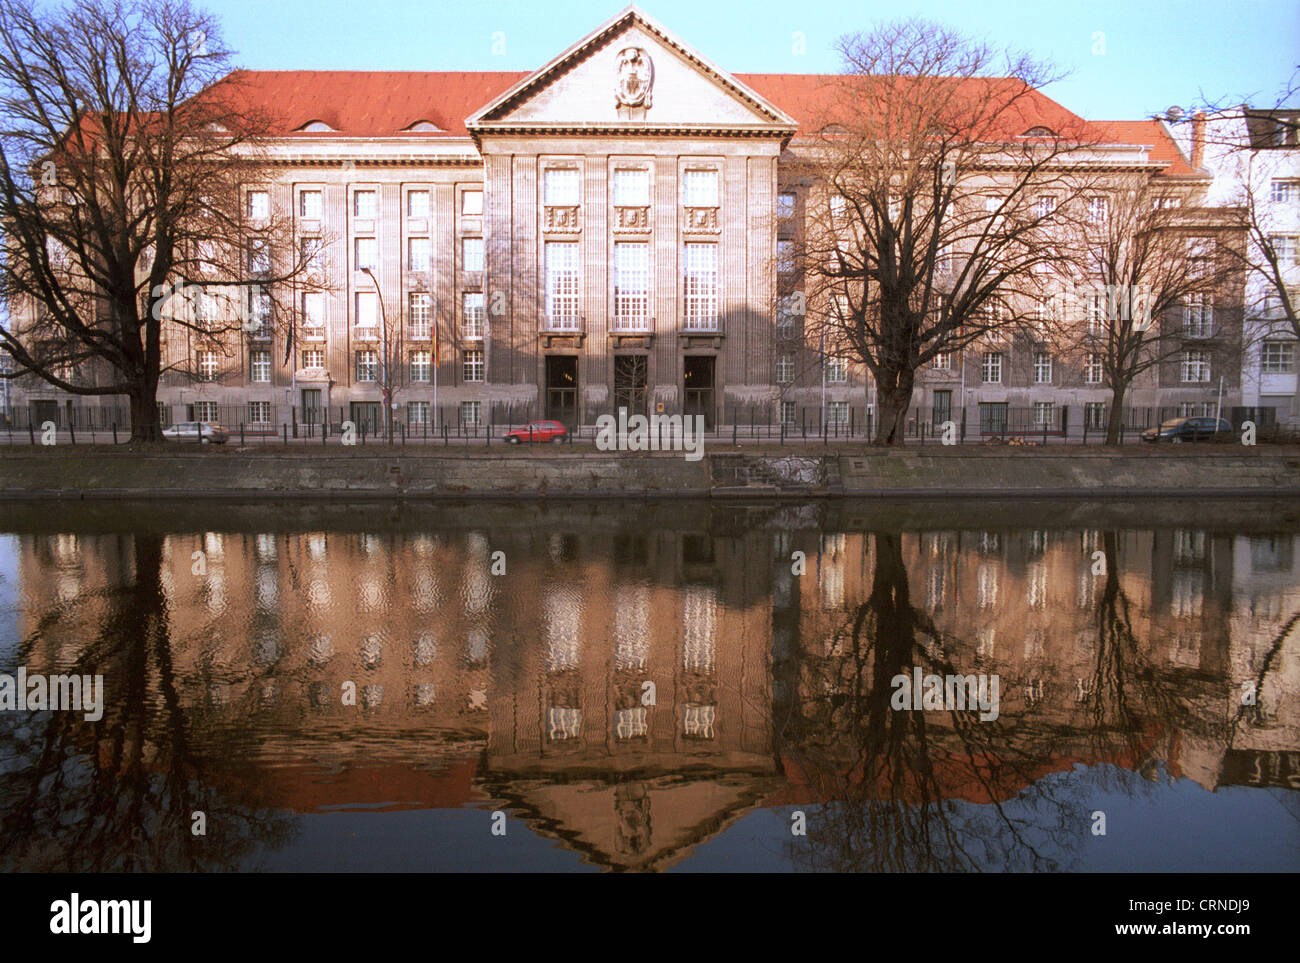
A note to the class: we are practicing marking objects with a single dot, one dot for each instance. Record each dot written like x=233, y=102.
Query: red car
x=541, y=431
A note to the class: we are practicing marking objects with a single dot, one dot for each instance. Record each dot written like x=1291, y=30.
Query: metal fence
x=264, y=423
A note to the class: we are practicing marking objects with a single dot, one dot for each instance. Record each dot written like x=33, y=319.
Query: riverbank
x=858, y=472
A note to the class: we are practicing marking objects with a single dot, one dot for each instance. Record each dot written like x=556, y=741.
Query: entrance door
x=562, y=389
x=698, y=382
x=630, y=383
x=993, y=417
x=43, y=411
x=942, y=407
x=311, y=414
x=369, y=414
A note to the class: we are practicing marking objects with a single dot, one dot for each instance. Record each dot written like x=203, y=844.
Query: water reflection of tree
x=890, y=778
x=117, y=794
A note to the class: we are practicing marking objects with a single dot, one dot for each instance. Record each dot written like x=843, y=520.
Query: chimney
x=1198, y=139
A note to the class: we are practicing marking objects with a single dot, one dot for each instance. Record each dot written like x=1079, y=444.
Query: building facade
x=1254, y=159
x=604, y=232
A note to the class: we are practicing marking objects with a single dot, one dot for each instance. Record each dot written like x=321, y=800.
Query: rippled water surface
x=582, y=686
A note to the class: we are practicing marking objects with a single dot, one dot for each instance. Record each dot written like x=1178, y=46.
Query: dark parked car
x=538, y=431
x=1178, y=430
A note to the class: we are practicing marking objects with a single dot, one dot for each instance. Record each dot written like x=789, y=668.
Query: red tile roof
x=370, y=103
x=373, y=103
x=1152, y=134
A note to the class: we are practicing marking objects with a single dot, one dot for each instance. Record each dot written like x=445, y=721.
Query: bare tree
x=124, y=158
x=940, y=191
x=1162, y=282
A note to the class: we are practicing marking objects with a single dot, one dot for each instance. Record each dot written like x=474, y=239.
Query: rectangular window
x=313, y=358
x=1198, y=316
x=419, y=314
x=1045, y=205
x=789, y=414
x=1196, y=367
x=563, y=285
x=473, y=365
x=259, y=412
x=259, y=205
x=207, y=365
x=1094, y=414
x=839, y=207
x=205, y=411
x=1098, y=210
x=367, y=365
x=784, y=369
x=1096, y=307
x=417, y=204
x=837, y=371
x=1092, y=369
x=786, y=313
x=1044, y=414
x=417, y=413
x=1286, y=247
x=259, y=366
x=259, y=256
x=631, y=188
x=365, y=204
x=631, y=286
x=785, y=206
x=473, y=315
x=991, y=369
x=1284, y=192
x=311, y=205
x=1042, y=368
x=701, y=287
x=942, y=361
x=469, y=413
x=784, y=257
x=419, y=254
x=837, y=412
x=367, y=315
x=471, y=203
x=1200, y=256
x=421, y=365
x=259, y=312
x=1277, y=357
x=472, y=254
x=700, y=189
x=563, y=187
x=313, y=254
x=366, y=250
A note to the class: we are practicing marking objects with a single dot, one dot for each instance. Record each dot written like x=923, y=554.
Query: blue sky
x=1151, y=53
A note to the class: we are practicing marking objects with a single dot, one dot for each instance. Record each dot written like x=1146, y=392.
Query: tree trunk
x=1116, y=416
x=894, y=395
x=146, y=426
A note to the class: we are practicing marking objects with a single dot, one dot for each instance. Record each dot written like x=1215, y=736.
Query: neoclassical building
x=602, y=232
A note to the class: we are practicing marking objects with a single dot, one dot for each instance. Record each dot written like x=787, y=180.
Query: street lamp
x=385, y=380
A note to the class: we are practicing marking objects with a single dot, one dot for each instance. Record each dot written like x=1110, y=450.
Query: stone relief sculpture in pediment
x=636, y=77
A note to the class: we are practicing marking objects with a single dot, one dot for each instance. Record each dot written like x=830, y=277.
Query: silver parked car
x=203, y=432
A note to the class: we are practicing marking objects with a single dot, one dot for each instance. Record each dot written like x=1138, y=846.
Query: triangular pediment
x=630, y=74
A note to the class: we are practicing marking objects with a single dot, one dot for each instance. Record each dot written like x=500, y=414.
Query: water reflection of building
x=1189, y=617
x=527, y=690
x=636, y=721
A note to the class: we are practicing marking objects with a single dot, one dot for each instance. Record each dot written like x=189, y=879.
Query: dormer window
x=315, y=127
x=424, y=127
x=1039, y=132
